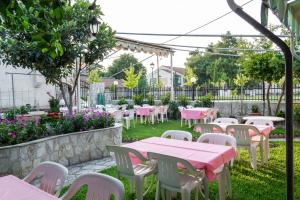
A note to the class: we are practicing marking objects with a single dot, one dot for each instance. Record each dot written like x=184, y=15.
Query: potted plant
x=255, y=110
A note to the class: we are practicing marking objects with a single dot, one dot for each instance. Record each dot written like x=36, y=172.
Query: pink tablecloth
x=263, y=129
x=201, y=155
x=144, y=111
x=12, y=188
x=194, y=113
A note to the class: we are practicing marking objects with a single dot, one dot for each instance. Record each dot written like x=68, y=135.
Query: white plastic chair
x=123, y=107
x=118, y=116
x=223, y=173
x=211, y=115
x=129, y=118
x=146, y=105
x=163, y=111
x=171, y=180
x=100, y=107
x=226, y=120
x=241, y=133
x=134, y=173
x=52, y=177
x=263, y=122
x=208, y=128
x=177, y=135
x=189, y=106
x=100, y=187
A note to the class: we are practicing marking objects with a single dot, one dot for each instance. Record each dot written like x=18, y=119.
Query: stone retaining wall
x=68, y=149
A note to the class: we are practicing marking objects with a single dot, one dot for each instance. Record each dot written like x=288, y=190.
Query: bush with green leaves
x=297, y=113
x=205, y=101
x=122, y=101
x=150, y=100
x=54, y=105
x=182, y=100
x=138, y=99
x=11, y=114
x=173, y=111
x=165, y=99
x=280, y=114
x=254, y=109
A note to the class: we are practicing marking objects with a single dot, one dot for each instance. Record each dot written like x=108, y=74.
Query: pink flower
x=12, y=134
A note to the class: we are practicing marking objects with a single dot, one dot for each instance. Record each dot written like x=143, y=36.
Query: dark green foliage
x=254, y=109
x=182, y=100
x=54, y=105
x=138, y=99
x=173, y=112
x=150, y=100
x=165, y=99
x=11, y=114
x=297, y=113
x=122, y=101
x=205, y=101
x=280, y=114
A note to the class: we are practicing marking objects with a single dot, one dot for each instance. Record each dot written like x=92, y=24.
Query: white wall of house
x=28, y=89
x=165, y=77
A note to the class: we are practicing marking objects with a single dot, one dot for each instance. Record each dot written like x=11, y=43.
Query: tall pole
x=78, y=84
x=157, y=62
x=264, y=98
x=152, y=82
x=172, y=77
x=13, y=93
x=288, y=94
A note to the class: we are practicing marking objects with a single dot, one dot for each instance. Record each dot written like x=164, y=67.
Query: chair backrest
x=180, y=108
x=168, y=169
x=124, y=164
x=100, y=186
x=189, y=106
x=146, y=105
x=208, y=128
x=221, y=139
x=226, y=120
x=177, y=135
x=118, y=115
x=241, y=133
x=52, y=176
x=124, y=107
x=260, y=122
x=131, y=113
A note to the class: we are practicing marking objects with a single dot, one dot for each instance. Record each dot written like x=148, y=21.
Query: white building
x=29, y=88
x=165, y=75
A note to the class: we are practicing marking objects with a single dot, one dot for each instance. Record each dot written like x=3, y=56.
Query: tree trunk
x=280, y=98
x=268, y=99
x=242, y=98
x=68, y=102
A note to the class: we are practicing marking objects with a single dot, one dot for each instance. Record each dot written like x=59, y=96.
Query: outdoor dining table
x=13, y=188
x=195, y=114
x=263, y=129
x=203, y=156
x=271, y=118
x=145, y=111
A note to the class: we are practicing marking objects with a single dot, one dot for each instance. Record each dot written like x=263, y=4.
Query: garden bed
x=67, y=149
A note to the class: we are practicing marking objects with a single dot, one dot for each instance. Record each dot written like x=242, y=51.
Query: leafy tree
x=94, y=76
x=125, y=61
x=241, y=81
x=51, y=37
x=268, y=67
x=189, y=74
x=132, y=79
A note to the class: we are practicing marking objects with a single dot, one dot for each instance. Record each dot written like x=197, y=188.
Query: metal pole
x=78, y=63
x=152, y=82
x=157, y=62
x=13, y=93
x=172, y=77
x=193, y=92
x=264, y=98
x=288, y=94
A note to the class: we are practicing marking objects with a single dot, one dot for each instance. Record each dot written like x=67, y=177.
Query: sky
x=175, y=16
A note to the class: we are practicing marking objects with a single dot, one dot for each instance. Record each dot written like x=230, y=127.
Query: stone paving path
x=88, y=167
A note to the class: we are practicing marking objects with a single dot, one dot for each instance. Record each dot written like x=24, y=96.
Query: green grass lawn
x=265, y=183
x=142, y=131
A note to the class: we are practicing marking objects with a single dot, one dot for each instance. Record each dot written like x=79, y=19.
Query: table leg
x=221, y=183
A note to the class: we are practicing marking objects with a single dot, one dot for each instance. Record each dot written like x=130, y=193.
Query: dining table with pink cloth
x=13, y=188
x=194, y=113
x=144, y=111
x=263, y=129
x=202, y=156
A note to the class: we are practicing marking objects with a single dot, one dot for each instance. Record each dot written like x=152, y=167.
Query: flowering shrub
x=15, y=132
